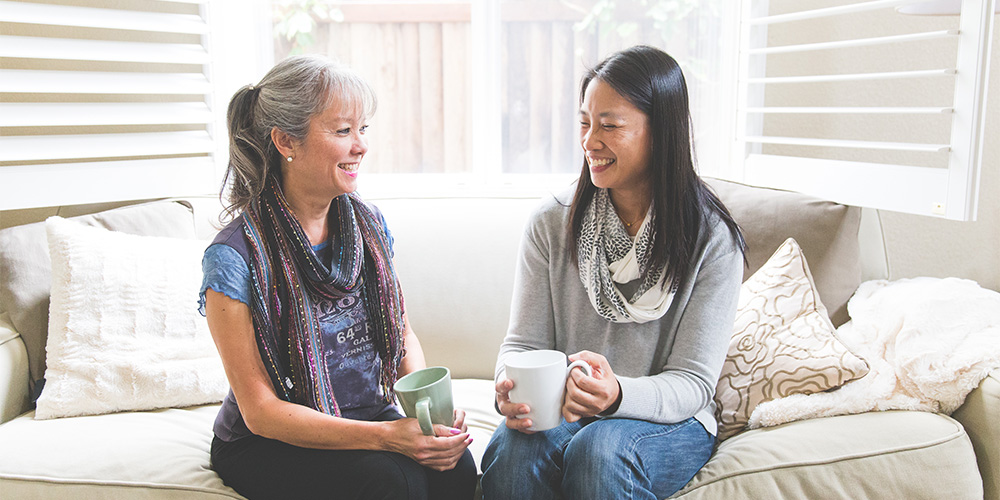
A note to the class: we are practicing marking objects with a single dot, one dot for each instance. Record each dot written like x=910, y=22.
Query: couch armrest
x=979, y=417
x=13, y=372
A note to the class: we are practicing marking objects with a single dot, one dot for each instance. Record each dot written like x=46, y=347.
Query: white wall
x=923, y=246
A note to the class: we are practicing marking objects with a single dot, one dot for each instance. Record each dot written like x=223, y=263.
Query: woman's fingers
x=588, y=396
x=460, y=420
x=442, y=453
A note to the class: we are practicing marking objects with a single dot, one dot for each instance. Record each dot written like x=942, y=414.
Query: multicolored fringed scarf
x=287, y=274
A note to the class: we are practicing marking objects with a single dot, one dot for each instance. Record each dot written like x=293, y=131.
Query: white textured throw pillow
x=124, y=330
x=783, y=342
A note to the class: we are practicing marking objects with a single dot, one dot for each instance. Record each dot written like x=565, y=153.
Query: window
x=834, y=104
x=108, y=104
x=103, y=104
x=486, y=92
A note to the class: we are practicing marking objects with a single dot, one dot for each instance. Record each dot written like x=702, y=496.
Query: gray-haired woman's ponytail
x=247, y=158
x=289, y=95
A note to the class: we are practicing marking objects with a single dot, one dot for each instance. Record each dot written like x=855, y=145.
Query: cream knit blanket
x=928, y=342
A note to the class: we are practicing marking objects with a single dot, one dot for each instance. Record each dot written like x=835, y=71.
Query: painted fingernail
x=454, y=431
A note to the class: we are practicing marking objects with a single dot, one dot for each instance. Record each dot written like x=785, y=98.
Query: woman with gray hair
x=304, y=306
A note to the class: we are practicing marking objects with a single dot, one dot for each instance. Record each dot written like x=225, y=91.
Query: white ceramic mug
x=540, y=382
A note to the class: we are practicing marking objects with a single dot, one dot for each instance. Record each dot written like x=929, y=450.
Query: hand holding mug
x=439, y=452
x=536, y=388
x=512, y=410
x=426, y=395
x=589, y=396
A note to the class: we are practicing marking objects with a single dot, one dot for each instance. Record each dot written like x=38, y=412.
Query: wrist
x=610, y=410
x=383, y=434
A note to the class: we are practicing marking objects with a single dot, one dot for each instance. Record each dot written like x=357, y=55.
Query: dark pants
x=261, y=468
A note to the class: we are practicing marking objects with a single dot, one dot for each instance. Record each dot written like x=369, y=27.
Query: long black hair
x=652, y=81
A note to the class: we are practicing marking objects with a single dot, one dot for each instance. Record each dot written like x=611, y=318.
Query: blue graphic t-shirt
x=348, y=343
x=349, y=351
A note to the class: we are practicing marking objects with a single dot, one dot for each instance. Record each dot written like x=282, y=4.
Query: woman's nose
x=360, y=145
x=589, y=141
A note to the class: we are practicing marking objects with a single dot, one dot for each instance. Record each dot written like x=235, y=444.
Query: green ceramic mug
x=426, y=395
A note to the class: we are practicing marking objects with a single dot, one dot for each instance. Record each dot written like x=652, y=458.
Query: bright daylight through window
x=438, y=102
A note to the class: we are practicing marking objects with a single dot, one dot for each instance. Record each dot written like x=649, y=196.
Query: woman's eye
x=363, y=129
x=344, y=131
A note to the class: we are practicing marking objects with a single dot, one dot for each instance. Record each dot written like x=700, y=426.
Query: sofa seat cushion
x=475, y=396
x=161, y=454
x=892, y=454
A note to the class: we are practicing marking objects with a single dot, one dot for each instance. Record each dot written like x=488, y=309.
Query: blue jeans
x=609, y=458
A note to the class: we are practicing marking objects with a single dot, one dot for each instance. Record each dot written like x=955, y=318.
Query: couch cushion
x=13, y=372
x=142, y=345
x=783, y=342
x=25, y=267
x=161, y=454
x=475, y=396
x=974, y=415
x=826, y=231
x=893, y=454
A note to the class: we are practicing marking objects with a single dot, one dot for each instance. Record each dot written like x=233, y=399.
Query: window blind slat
x=31, y=47
x=857, y=42
x=854, y=110
x=60, y=114
x=828, y=11
x=69, y=147
x=133, y=180
x=808, y=141
x=96, y=82
x=854, y=76
x=85, y=17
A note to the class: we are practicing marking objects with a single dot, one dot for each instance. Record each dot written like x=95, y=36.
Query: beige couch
x=455, y=258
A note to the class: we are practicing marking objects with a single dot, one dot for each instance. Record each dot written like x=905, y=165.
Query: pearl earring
x=289, y=159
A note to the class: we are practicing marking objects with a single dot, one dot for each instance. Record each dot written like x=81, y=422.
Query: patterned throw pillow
x=783, y=342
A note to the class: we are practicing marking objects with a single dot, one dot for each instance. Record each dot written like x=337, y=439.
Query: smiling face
x=616, y=140
x=325, y=164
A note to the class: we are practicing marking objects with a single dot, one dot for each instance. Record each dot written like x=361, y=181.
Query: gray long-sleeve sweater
x=668, y=368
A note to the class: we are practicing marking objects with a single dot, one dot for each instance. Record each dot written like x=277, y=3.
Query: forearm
x=305, y=427
x=686, y=383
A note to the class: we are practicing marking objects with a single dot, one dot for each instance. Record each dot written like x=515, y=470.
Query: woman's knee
x=514, y=459
x=390, y=475
x=597, y=446
x=636, y=456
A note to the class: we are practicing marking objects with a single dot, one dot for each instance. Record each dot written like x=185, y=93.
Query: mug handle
x=424, y=416
x=580, y=364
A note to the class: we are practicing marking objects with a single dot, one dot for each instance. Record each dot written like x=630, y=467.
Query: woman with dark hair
x=304, y=306
x=637, y=274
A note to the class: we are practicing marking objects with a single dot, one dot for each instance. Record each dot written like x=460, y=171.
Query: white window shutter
x=101, y=104
x=870, y=136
